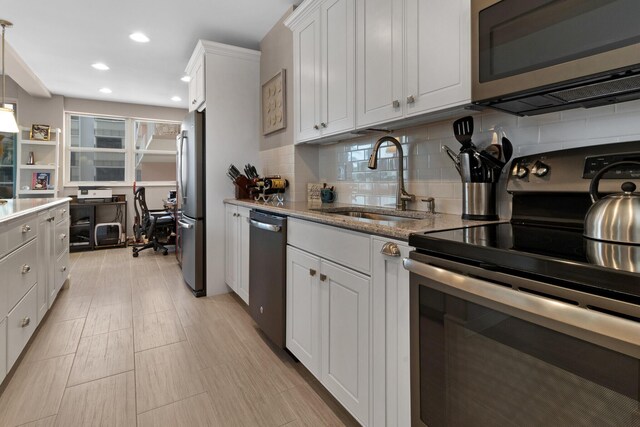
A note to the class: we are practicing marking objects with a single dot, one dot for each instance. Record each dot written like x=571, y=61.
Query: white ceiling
x=60, y=39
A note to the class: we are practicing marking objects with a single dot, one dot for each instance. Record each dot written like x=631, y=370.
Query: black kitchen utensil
x=507, y=149
x=463, y=130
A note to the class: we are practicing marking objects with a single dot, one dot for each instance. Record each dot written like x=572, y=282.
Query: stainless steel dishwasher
x=267, y=273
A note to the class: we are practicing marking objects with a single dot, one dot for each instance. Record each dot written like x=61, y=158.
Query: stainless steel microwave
x=537, y=56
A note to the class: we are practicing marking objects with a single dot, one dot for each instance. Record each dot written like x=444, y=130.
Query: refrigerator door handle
x=182, y=187
x=185, y=225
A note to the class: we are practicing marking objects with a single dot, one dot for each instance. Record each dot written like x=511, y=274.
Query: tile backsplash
x=430, y=173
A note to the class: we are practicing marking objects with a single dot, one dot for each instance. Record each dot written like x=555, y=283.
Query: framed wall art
x=40, y=132
x=274, y=110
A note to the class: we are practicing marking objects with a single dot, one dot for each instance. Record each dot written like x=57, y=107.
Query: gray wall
x=277, y=54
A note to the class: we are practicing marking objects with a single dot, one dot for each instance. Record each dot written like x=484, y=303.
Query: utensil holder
x=479, y=201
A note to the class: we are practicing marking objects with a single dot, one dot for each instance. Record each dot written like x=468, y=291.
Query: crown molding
x=301, y=12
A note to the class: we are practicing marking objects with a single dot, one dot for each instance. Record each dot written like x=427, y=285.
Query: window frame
x=129, y=151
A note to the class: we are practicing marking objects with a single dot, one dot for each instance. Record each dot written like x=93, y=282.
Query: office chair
x=155, y=225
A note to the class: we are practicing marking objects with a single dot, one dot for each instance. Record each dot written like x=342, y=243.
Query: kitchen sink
x=376, y=214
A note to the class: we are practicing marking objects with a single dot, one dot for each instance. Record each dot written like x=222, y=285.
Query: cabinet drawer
x=21, y=323
x=62, y=237
x=19, y=270
x=62, y=213
x=345, y=247
x=21, y=231
x=3, y=348
x=62, y=269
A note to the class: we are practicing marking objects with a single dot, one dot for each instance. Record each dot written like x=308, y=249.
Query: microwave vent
x=598, y=90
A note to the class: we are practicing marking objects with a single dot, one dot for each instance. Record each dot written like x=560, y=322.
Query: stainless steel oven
x=516, y=323
x=536, y=56
x=490, y=349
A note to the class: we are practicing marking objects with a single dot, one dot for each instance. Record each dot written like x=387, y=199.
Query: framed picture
x=274, y=109
x=40, y=132
x=40, y=180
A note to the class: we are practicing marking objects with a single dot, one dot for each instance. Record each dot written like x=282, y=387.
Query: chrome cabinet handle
x=396, y=104
x=390, y=249
x=64, y=268
x=323, y=277
x=51, y=218
x=64, y=211
x=26, y=268
x=26, y=228
x=316, y=127
x=25, y=322
x=63, y=236
x=323, y=124
x=410, y=99
x=312, y=272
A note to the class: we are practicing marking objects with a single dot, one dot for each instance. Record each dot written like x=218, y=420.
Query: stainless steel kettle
x=616, y=217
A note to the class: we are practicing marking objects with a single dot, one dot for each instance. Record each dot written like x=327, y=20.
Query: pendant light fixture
x=7, y=118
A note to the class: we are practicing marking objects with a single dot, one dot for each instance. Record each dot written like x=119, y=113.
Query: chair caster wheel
x=165, y=252
x=135, y=254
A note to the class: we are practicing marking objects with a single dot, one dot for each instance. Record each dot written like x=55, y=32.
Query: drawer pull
x=323, y=277
x=63, y=236
x=64, y=211
x=312, y=272
x=51, y=218
x=25, y=322
x=64, y=268
x=25, y=269
x=26, y=228
x=390, y=249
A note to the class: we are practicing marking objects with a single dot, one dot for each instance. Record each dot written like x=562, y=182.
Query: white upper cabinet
x=379, y=61
x=195, y=70
x=437, y=55
x=324, y=69
x=413, y=58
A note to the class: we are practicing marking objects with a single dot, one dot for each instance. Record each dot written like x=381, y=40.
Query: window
x=116, y=150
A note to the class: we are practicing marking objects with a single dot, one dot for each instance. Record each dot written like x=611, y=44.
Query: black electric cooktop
x=553, y=254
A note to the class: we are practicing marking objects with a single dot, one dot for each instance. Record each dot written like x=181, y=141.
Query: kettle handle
x=593, y=188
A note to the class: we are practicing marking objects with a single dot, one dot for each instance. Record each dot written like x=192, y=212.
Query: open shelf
x=37, y=167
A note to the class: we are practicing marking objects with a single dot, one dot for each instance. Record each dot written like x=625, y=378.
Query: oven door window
x=520, y=36
x=480, y=367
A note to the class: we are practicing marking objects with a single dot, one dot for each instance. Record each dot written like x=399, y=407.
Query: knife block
x=242, y=184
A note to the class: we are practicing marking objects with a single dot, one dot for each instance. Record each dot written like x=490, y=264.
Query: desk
x=84, y=215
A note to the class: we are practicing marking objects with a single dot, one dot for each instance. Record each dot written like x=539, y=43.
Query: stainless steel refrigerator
x=191, y=201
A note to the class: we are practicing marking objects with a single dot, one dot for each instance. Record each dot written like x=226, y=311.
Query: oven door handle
x=605, y=330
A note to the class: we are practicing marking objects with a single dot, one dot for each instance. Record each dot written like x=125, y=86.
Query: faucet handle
x=407, y=197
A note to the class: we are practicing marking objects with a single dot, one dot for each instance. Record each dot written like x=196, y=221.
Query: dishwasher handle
x=614, y=333
x=185, y=225
x=266, y=227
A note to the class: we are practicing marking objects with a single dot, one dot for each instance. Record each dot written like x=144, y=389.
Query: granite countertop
x=14, y=208
x=316, y=211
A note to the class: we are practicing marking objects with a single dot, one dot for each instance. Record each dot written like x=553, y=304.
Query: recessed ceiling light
x=186, y=79
x=176, y=98
x=105, y=90
x=100, y=66
x=139, y=37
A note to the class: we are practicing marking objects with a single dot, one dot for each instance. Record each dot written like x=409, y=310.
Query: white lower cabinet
x=237, y=250
x=328, y=310
x=345, y=337
x=303, y=308
x=390, y=322
x=21, y=323
x=3, y=349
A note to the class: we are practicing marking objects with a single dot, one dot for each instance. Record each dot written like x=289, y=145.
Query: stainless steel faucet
x=402, y=197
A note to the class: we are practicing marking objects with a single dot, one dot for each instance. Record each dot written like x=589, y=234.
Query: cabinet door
x=3, y=348
x=437, y=54
x=390, y=322
x=303, y=308
x=231, y=247
x=345, y=337
x=338, y=66
x=243, y=253
x=197, y=86
x=379, y=32
x=307, y=79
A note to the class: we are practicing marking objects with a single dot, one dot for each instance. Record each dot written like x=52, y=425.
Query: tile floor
x=127, y=344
